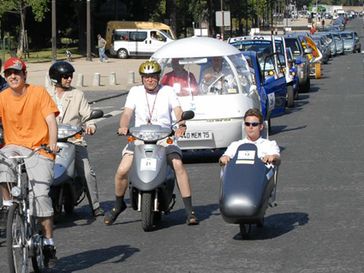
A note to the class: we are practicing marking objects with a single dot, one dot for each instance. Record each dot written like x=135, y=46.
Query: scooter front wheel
x=147, y=211
x=244, y=230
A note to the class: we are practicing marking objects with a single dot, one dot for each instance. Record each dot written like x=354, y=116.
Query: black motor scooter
x=248, y=186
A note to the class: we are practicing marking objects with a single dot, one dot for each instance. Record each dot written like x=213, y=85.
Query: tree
x=20, y=7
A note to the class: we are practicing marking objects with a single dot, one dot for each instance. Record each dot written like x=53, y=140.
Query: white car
x=219, y=101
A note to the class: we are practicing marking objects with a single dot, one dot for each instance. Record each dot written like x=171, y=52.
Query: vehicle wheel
x=244, y=230
x=37, y=255
x=68, y=202
x=290, y=96
x=16, y=241
x=122, y=53
x=147, y=211
x=307, y=85
x=56, y=201
x=260, y=223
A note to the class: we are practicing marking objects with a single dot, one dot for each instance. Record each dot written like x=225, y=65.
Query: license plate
x=205, y=135
x=148, y=164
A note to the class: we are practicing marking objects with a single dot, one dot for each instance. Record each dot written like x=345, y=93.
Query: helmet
x=149, y=68
x=58, y=69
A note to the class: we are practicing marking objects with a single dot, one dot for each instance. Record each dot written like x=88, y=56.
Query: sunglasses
x=254, y=124
x=67, y=76
x=9, y=72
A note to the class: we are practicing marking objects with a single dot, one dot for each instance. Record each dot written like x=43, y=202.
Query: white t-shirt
x=156, y=108
x=264, y=147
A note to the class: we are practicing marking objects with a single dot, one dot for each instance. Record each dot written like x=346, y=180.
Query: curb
x=108, y=97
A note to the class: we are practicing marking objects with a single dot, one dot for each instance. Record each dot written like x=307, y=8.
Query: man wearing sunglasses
x=28, y=115
x=268, y=150
x=75, y=110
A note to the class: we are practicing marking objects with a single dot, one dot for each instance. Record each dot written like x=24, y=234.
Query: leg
x=121, y=185
x=40, y=174
x=85, y=171
x=184, y=186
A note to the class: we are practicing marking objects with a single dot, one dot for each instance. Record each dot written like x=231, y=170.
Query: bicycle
x=24, y=238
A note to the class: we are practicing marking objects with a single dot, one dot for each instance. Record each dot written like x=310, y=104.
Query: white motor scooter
x=151, y=179
x=68, y=189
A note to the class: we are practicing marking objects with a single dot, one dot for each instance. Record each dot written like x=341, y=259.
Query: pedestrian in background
x=101, y=44
x=3, y=83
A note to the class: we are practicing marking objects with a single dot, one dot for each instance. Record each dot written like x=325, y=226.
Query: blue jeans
x=102, y=54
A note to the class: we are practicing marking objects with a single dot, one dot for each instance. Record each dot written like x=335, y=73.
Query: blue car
x=267, y=62
x=272, y=91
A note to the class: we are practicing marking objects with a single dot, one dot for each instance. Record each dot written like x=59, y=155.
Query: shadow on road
x=87, y=259
x=276, y=225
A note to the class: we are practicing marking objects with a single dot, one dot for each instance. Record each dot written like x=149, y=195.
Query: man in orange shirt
x=28, y=116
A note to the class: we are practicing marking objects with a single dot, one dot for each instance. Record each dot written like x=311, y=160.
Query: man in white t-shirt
x=151, y=103
x=268, y=150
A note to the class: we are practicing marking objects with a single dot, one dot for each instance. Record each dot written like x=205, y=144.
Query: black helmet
x=58, y=69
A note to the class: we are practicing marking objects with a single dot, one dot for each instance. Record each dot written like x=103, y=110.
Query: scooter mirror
x=96, y=114
x=186, y=115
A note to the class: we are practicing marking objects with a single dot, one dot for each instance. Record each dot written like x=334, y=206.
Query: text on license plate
x=196, y=136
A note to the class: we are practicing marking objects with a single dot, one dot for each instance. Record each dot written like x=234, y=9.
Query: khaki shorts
x=40, y=174
x=170, y=148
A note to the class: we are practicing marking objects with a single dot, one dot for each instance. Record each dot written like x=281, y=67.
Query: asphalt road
x=316, y=228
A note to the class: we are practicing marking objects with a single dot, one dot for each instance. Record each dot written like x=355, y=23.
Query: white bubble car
x=213, y=79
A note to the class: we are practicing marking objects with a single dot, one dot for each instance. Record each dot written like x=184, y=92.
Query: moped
x=151, y=178
x=248, y=187
x=68, y=189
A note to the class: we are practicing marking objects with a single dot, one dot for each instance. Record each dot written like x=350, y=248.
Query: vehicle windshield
x=263, y=48
x=220, y=75
x=347, y=36
x=294, y=45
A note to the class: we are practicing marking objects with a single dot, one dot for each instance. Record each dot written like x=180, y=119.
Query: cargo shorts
x=40, y=174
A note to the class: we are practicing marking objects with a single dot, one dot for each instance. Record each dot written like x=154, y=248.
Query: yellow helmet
x=149, y=68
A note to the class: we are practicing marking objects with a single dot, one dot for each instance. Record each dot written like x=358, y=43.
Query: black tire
x=122, y=53
x=17, y=251
x=290, y=96
x=147, y=211
x=37, y=255
x=307, y=85
x=244, y=230
x=68, y=200
x=57, y=201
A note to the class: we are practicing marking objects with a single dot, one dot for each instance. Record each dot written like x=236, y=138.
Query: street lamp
x=88, y=32
x=54, y=32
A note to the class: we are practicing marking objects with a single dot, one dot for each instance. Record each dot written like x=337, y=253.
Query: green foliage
x=39, y=7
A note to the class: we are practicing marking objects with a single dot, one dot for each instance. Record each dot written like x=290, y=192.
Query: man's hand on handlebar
x=53, y=148
x=90, y=130
x=224, y=160
x=271, y=159
x=123, y=131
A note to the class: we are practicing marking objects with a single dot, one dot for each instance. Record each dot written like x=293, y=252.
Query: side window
x=120, y=35
x=156, y=35
x=138, y=36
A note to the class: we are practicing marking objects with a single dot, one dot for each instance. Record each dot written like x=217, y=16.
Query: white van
x=137, y=42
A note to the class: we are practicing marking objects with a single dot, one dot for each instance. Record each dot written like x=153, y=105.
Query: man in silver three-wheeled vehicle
x=249, y=179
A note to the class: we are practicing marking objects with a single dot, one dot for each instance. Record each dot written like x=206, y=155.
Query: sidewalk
x=123, y=69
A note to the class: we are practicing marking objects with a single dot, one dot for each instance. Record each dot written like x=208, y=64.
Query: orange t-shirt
x=24, y=117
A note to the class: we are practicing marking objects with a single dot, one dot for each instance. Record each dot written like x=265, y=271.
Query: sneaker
x=111, y=215
x=98, y=212
x=192, y=219
x=50, y=259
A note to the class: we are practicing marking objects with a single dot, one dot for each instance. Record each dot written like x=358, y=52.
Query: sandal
x=192, y=219
x=111, y=215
